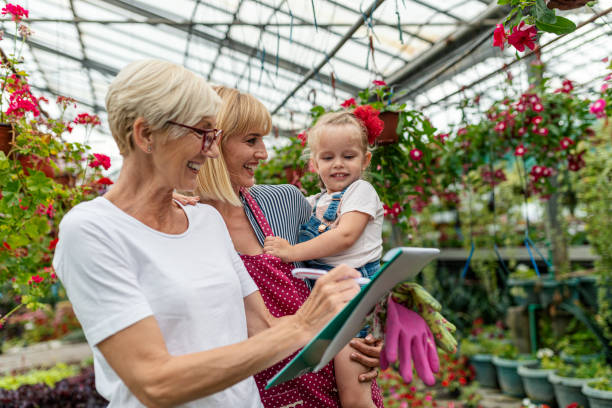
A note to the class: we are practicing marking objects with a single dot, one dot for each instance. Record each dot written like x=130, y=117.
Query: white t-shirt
x=359, y=196
x=117, y=271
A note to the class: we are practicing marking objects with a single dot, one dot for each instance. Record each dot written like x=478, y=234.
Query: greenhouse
x=324, y=203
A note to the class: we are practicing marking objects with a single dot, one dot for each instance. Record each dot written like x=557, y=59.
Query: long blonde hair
x=240, y=114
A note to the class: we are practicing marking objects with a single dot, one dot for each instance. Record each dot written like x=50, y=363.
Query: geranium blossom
x=348, y=103
x=416, y=154
x=523, y=35
x=369, y=116
x=16, y=11
x=302, y=138
x=567, y=87
x=100, y=160
x=87, y=119
x=499, y=36
x=598, y=108
x=566, y=142
x=520, y=150
x=53, y=244
x=104, y=181
x=379, y=82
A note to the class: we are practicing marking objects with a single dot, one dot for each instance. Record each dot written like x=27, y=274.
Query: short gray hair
x=157, y=91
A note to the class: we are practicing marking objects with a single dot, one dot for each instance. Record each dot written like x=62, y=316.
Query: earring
x=149, y=149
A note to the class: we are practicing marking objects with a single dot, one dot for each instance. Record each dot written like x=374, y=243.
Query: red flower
x=379, y=83
x=566, y=142
x=538, y=107
x=302, y=138
x=573, y=405
x=35, y=279
x=598, y=108
x=537, y=120
x=416, y=154
x=6, y=245
x=348, y=103
x=100, y=160
x=543, y=131
x=442, y=137
x=462, y=381
x=87, y=119
x=17, y=12
x=499, y=36
x=520, y=107
x=522, y=131
x=523, y=35
x=370, y=119
x=566, y=88
x=520, y=150
x=53, y=244
x=104, y=181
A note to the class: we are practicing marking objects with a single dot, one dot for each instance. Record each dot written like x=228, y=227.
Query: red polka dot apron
x=283, y=295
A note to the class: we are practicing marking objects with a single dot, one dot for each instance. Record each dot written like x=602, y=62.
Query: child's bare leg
x=353, y=394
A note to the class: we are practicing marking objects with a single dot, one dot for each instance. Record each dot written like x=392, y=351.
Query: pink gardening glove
x=407, y=334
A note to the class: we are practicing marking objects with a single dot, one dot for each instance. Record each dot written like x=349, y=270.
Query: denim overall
x=315, y=227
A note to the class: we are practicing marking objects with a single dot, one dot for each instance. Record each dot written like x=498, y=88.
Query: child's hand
x=278, y=246
x=185, y=200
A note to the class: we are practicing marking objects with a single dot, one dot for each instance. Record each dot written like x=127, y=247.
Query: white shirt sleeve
x=360, y=196
x=99, y=280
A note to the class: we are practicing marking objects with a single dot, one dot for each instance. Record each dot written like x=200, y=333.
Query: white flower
x=545, y=352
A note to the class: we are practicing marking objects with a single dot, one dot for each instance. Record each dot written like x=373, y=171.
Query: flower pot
x=389, y=134
x=597, y=398
x=536, y=385
x=508, y=377
x=566, y=4
x=569, y=389
x=523, y=291
x=486, y=375
x=6, y=137
x=36, y=163
x=575, y=360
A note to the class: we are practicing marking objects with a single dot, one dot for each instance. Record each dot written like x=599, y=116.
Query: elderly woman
x=252, y=212
x=166, y=304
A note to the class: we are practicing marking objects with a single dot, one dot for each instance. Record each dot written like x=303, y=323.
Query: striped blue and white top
x=284, y=207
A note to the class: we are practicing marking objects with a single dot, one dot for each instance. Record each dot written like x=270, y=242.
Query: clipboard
x=400, y=264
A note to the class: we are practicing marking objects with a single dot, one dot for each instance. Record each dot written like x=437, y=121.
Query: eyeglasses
x=209, y=136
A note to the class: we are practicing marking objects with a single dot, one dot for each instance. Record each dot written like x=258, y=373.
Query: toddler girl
x=345, y=226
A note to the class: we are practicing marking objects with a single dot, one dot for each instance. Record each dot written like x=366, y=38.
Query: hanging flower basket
x=389, y=134
x=6, y=137
x=566, y=4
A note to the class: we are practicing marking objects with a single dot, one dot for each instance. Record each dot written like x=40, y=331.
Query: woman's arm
x=139, y=356
x=349, y=229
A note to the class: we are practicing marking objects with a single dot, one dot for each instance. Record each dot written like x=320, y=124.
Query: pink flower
x=538, y=107
x=537, y=120
x=442, y=137
x=604, y=88
x=520, y=150
x=17, y=12
x=522, y=130
x=100, y=160
x=348, y=103
x=523, y=35
x=416, y=154
x=520, y=107
x=499, y=36
x=543, y=131
x=566, y=142
x=500, y=127
x=87, y=119
x=598, y=108
x=461, y=131
x=567, y=87
x=35, y=279
x=547, y=172
x=379, y=82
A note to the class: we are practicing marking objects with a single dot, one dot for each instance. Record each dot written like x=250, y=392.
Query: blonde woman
x=253, y=212
x=170, y=311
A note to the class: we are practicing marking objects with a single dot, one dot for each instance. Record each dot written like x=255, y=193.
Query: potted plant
x=535, y=380
x=568, y=379
x=579, y=345
x=31, y=202
x=599, y=393
x=507, y=361
x=522, y=283
x=479, y=347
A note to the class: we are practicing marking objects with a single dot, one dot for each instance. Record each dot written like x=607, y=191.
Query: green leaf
x=561, y=26
x=543, y=13
x=502, y=2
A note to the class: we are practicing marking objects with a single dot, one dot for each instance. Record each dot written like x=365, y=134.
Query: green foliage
x=536, y=12
x=595, y=193
x=605, y=384
x=47, y=376
x=592, y=369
